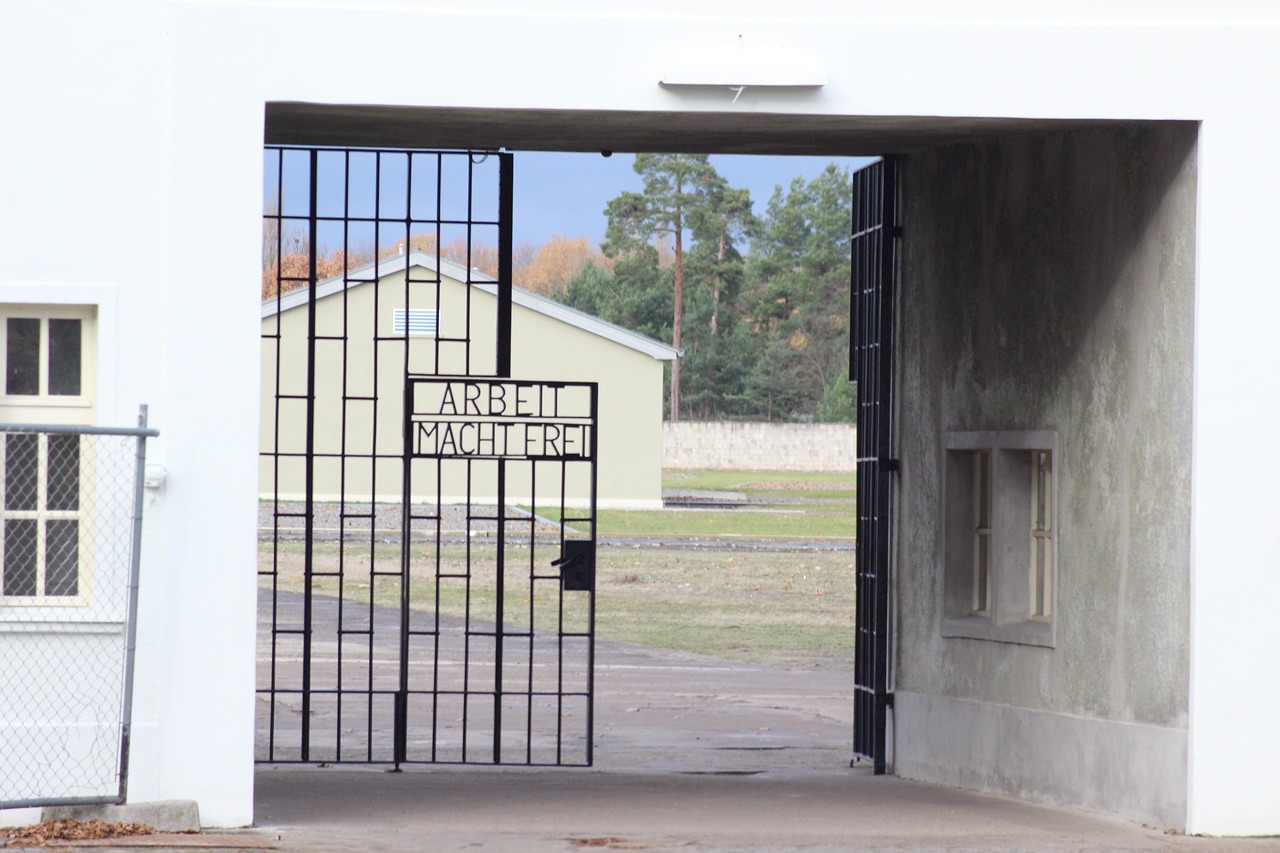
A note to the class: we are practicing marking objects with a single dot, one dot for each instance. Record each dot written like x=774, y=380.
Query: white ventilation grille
x=421, y=321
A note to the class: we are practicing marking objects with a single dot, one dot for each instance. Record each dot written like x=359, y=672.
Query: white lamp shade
x=743, y=65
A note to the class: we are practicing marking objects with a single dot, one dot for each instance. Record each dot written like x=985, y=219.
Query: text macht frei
x=501, y=419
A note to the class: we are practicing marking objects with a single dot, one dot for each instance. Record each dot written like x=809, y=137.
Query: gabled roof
x=375, y=270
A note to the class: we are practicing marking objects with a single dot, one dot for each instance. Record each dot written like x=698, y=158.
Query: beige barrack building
x=359, y=374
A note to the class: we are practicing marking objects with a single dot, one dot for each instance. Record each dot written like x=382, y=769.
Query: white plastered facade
x=131, y=136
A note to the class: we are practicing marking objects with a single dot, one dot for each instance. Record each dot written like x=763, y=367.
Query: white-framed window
x=41, y=518
x=414, y=322
x=47, y=356
x=999, y=536
x=48, y=361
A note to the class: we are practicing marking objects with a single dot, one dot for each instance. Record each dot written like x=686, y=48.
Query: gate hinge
x=895, y=231
x=888, y=700
x=889, y=466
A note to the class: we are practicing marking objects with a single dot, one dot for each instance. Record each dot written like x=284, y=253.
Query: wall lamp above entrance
x=739, y=65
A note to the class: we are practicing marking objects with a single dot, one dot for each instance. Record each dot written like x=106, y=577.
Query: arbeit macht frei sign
x=457, y=418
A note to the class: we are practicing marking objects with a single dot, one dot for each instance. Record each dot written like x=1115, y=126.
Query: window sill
x=61, y=624
x=46, y=401
x=1028, y=632
x=56, y=602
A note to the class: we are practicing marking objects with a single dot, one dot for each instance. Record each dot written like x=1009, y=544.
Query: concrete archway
x=1092, y=222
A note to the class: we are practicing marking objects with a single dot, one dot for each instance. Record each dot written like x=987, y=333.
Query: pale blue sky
x=555, y=192
x=564, y=193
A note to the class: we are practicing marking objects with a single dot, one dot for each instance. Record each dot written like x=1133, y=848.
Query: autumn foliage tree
x=552, y=265
x=286, y=260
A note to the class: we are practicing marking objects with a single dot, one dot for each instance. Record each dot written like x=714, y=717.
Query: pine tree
x=799, y=271
x=674, y=186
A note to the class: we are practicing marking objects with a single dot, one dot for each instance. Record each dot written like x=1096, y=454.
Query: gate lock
x=577, y=565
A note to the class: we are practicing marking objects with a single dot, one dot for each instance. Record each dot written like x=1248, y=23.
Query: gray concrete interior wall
x=1048, y=283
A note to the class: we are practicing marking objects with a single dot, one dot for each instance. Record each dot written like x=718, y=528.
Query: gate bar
x=309, y=464
x=500, y=610
x=874, y=277
x=506, y=206
x=400, y=733
x=887, y=463
x=591, y=602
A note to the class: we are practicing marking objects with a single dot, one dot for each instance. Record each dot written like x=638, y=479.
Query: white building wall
x=130, y=137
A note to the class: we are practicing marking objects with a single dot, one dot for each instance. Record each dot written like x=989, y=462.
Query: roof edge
x=382, y=267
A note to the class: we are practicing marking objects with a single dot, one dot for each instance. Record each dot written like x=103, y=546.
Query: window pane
x=21, y=456
x=64, y=357
x=22, y=356
x=982, y=498
x=63, y=486
x=1037, y=576
x=62, y=557
x=1040, y=604
x=1040, y=488
x=982, y=570
x=20, y=556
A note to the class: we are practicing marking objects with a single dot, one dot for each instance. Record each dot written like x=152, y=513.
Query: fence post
x=131, y=630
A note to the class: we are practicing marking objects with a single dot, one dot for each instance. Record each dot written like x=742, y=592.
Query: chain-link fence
x=70, y=522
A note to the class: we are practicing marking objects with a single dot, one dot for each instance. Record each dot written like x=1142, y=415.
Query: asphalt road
x=654, y=708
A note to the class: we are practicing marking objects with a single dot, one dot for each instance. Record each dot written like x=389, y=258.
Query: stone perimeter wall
x=759, y=446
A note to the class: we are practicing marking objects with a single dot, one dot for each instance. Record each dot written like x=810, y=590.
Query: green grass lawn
x=832, y=521
x=763, y=483
x=783, y=505
x=757, y=606
x=777, y=608
x=761, y=607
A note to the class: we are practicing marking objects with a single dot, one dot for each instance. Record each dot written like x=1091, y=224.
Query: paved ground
x=693, y=754
x=655, y=709
x=664, y=812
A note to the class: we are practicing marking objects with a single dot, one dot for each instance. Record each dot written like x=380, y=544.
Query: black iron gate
x=874, y=274
x=426, y=581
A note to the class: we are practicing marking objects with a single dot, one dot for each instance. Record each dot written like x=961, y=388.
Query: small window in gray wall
x=981, y=531
x=1041, y=534
x=999, y=536
x=418, y=321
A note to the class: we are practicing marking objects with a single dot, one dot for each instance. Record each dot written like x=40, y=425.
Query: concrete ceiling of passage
x=364, y=126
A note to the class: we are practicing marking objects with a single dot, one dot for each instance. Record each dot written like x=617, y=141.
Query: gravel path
x=385, y=519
